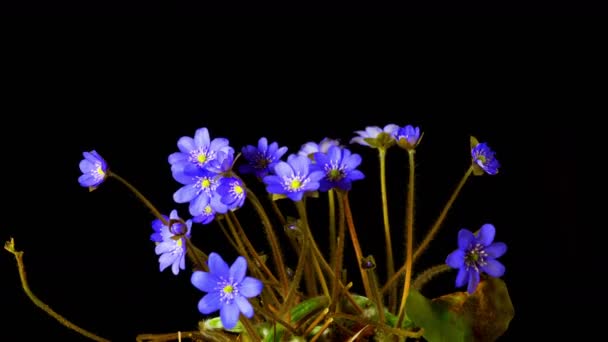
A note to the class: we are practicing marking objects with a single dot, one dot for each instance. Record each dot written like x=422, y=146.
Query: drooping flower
x=227, y=289
x=199, y=152
x=262, y=159
x=232, y=192
x=170, y=238
x=484, y=160
x=374, y=136
x=310, y=148
x=339, y=168
x=294, y=177
x=94, y=170
x=476, y=254
x=407, y=137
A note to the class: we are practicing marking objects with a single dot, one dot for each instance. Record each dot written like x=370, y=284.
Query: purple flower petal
x=250, y=287
x=497, y=249
x=282, y=170
x=473, y=281
x=201, y=137
x=494, y=268
x=185, y=194
x=486, y=234
x=462, y=277
x=218, y=266
x=209, y=303
x=455, y=259
x=238, y=269
x=229, y=313
x=244, y=306
x=204, y=281
x=465, y=237
x=185, y=144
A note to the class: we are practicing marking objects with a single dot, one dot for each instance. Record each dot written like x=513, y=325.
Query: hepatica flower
x=483, y=159
x=232, y=192
x=170, y=241
x=407, y=137
x=476, y=254
x=294, y=177
x=227, y=289
x=94, y=170
x=374, y=136
x=339, y=168
x=199, y=152
x=261, y=159
x=310, y=148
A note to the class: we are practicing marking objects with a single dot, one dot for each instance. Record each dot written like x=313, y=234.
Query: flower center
x=475, y=257
x=208, y=210
x=201, y=156
x=228, y=290
x=100, y=171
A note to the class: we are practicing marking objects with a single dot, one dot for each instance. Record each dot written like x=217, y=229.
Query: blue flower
x=294, y=178
x=483, y=158
x=170, y=241
x=227, y=289
x=199, y=190
x=200, y=151
x=232, y=192
x=206, y=216
x=310, y=148
x=407, y=137
x=262, y=159
x=476, y=254
x=94, y=170
x=338, y=165
x=376, y=137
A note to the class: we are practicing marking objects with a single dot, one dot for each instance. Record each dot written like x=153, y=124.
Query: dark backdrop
x=88, y=255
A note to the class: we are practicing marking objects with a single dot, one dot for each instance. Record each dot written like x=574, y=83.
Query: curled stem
x=431, y=234
x=10, y=246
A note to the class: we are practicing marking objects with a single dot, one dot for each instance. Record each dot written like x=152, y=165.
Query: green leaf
x=439, y=324
x=474, y=142
x=303, y=310
x=489, y=308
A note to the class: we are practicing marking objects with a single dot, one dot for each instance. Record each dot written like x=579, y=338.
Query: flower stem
x=409, y=219
x=356, y=246
x=250, y=329
x=431, y=234
x=429, y=274
x=10, y=246
x=332, y=226
x=339, y=254
x=140, y=196
x=390, y=263
x=301, y=207
x=272, y=239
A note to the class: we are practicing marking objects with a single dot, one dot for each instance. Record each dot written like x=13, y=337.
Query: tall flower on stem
x=483, y=158
x=476, y=254
x=94, y=170
x=294, y=178
x=261, y=159
x=227, y=289
x=339, y=166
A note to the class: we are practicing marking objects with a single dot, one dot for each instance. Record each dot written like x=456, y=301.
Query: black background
x=88, y=255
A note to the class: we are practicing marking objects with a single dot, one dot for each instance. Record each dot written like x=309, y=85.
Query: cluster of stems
x=314, y=274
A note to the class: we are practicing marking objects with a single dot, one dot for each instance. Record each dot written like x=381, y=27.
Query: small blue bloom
x=483, y=157
x=206, y=216
x=232, y=192
x=94, y=170
x=199, y=190
x=407, y=137
x=310, y=148
x=170, y=241
x=200, y=151
x=374, y=136
x=262, y=159
x=294, y=177
x=339, y=167
x=227, y=289
x=476, y=254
